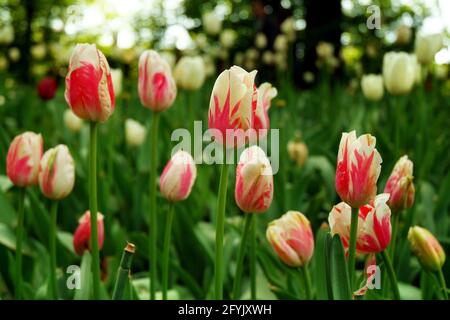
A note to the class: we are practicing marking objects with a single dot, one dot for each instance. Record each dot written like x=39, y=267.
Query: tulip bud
x=212, y=24
x=292, y=239
x=189, y=73
x=398, y=72
x=89, y=87
x=427, y=46
x=157, y=89
x=266, y=92
x=427, y=248
x=400, y=185
x=47, y=88
x=178, y=177
x=233, y=99
x=117, y=76
x=254, y=181
x=298, y=152
x=134, y=132
x=261, y=40
x=22, y=161
x=403, y=34
x=374, y=225
x=372, y=87
x=358, y=168
x=72, y=122
x=82, y=235
x=57, y=173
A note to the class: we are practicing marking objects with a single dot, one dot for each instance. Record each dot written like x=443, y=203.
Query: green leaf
x=338, y=270
x=319, y=264
x=66, y=239
x=85, y=291
x=5, y=183
x=409, y=292
x=8, y=239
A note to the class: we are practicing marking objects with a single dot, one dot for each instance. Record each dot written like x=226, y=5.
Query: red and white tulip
x=89, y=87
x=57, y=173
x=358, y=169
x=156, y=85
x=292, y=239
x=400, y=185
x=82, y=235
x=178, y=177
x=233, y=99
x=22, y=161
x=266, y=92
x=254, y=181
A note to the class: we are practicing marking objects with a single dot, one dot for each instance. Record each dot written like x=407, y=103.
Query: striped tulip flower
x=358, y=169
x=89, y=87
x=254, y=181
x=374, y=225
x=400, y=185
x=292, y=239
x=82, y=235
x=156, y=85
x=178, y=177
x=233, y=99
x=57, y=173
x=427, y=248
x=22, y=161
x=261, y=116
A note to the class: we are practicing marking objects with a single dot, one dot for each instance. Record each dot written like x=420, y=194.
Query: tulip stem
x=93, y=209
x=391, y=274
x=394, y=235
x=123, y=274
x=352, y=246
x=306, y=281
x=241, y=254
x=153, y=235
x=443, y=285
x=52, y=244
x=166, y=251
x=253, y=257
x=20, y=217
x=220, y=226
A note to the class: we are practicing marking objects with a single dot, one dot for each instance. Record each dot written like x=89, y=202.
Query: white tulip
x=427, y=46
x=72, y=122
x=399, y=72
x=190, y=73
x=212, y=24
x=372, y=86
x=134, y=132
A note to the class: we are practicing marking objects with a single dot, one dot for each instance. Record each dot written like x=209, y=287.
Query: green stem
x=166, y=252
x=53, y=225
x=123, y=274
x=391, y=275
x=442, y=283
x=20, y=217
x=220, y=226
x=153, y=230
x=93, y=209
x=352, y=246
x=241, y=254
x=394, y=235
x=306, y=281
x=253, y=258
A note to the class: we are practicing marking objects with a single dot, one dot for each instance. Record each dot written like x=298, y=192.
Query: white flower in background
x=189, y=73
x=6, y=35
x=14, y=54
x=212, y=24
x=441, y=71
x=427, y=46
x=228, y=38
x=281, y=43
x=260, y=40
x=224, y=54
x=3, y=63
x=268, y=57
x=117, y=76
x=72, y=122
x=201, y=40
x=249, y=64
x=404, y=34
x=324, y=50
x=372, y=86
x=418, y=77
x=210, y=66
x=239, y=58
x=134, y=132
x=308, y=77
x=281, y=60
x=38, y=51
x=288, y=28
x=169, y=57
x=252, y=54
x=399, y=72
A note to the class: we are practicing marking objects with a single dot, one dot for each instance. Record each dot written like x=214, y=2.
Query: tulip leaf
x=338, y=270
x=319, y=264
x=85, y=291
